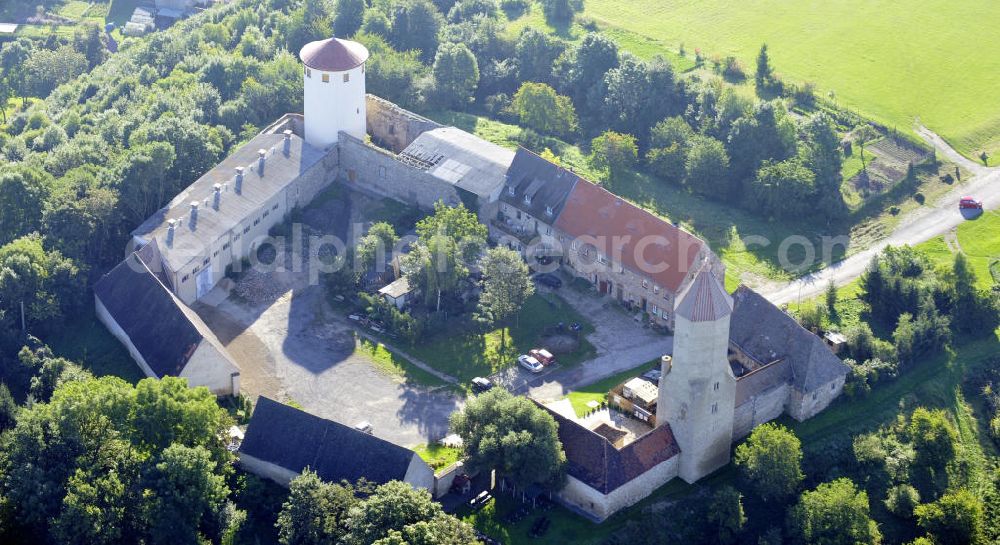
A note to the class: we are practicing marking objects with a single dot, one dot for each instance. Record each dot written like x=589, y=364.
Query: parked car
x=530, y=363
x=548, y=279
x=969, y=203
x=480, y=384
x=542, y=355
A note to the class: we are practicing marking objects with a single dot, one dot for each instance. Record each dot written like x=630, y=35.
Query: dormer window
x=510, y=191
x=548, y=210
x=527, y=199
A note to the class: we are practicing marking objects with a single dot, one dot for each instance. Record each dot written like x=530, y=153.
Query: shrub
x=732, y=69
x=901, y=500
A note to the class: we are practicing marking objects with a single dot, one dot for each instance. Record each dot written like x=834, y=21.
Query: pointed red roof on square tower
x=705, y=299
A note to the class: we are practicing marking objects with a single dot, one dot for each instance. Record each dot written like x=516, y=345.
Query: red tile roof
x=619, y=228
x=333, y=55
x=705, y=299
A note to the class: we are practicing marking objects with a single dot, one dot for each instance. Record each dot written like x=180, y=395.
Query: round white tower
x=334, y=90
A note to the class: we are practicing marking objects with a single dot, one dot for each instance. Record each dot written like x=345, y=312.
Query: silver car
x=530, y=363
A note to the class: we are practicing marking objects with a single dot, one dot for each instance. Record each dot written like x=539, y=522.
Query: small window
x=309, y=73
x=548, y=230
x=256, y=221
x=236, y=237
x=833, y=387
x=347, y=78
x=247, y=229
x=510, y=191
x=225, y=246
x=215, y=253
x=381, y=171
x=527, y=199
x=266, y=212
x=205, y=262
x=656, y=311
x=184, y=279
x=716, y=386
x=548, y=210
x=275, y=207
x=656, y=289
x=326, y=78
x=195, y=270
x=645, y=284
x=814, y=396
x=715, y=408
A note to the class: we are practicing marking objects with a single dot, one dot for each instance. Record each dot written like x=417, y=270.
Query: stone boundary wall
x=392, y=126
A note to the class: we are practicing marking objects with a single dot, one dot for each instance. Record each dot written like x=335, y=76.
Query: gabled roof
x=596, y=462
x=295, y=440
x=192, y=239
x=704, y=300
x=767, y=334
x=333, y=55
x=623, y=229
x=461, y=159
x=547, y=184
x=164, y=331
x=397, y=288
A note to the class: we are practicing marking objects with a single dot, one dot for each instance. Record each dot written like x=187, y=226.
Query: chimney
x=194, y=214
x=239, y=180
x=216, y=196
x=288, y=141
x=261, y=154
x=171, y=224
x=666, y=363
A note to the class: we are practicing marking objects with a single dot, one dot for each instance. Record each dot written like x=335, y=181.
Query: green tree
x=535, y=53
x=391, y=74
x=441, y=530
x=770, y=461
x=8, y=408
x=561, y=12
x=765, y=73
x=89, y=39
x=835, y=513
x=46, y=69
x=188, y=494
x=824, y=157
x=505, y=288
x=725, y=515
x=456, y=74
x=864, y=134
x=376, y=248
x=955, y=519
x=669, y=142
x=901, y=500
x=783, y=189
x=457, y=223
x=580, y=69
x=348, y=17
x=393, y=506
x=615, y=152
x=512, y=435
x=706, y=168
x=48, y=285
x=934, y=438
x=315, y=513
x=23, y=192
x=539, y=107
x=415, y=26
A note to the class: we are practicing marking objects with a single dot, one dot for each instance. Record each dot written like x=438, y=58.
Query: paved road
x=921, y=225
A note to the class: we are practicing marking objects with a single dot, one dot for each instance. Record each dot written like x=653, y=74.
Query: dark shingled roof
x=295, y=440
x=596, y=462
x=333, y=55
x=163, y=330
x=548, y=185
x=767, y=334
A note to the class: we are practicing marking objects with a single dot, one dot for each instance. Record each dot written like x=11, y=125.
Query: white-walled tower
x=334, y=90
x=698, y=388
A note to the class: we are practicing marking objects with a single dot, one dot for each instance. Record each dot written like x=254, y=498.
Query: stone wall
x=105, y=318
x=266, y=470
x=211, y=368
x=759, y=409
x=392, y=126
x=418, y=474
x=803, y=406
x=372, y=169
x=600, y=506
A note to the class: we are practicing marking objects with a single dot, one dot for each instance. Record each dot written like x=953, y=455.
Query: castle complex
x=738, y=361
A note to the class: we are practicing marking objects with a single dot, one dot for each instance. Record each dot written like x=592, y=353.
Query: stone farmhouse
x=738, y=361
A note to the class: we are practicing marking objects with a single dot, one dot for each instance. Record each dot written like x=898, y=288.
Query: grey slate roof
x=295, y=440
x=163, y=330
x=461, y=159
x=593, y=460
x=766, y=333
x=191, y=240
x=705, y=300
x=548, y=185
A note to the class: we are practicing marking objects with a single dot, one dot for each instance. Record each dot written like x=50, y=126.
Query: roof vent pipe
x=171, y=224
x=239, y=180
x=288, y=142
x=261, y=154
x=194, y=214
x=216, y=196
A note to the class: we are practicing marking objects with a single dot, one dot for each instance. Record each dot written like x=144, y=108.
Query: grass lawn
x=437, y=456
x=396, y=365
x=86, y=341
x=465, y=354
x=936, y=60
x=74, y=9
x=978, y=239
x=598, y=391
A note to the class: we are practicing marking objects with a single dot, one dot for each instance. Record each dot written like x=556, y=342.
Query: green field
x=598, y=391
x=978, y=239
x=893, y=61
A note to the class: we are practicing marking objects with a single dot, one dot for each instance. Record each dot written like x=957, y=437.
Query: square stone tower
x=698, y=389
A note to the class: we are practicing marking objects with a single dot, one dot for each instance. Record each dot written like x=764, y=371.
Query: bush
x=901, y=500
x=732, y=69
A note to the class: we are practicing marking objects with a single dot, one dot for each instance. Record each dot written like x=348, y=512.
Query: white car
x=530, y=363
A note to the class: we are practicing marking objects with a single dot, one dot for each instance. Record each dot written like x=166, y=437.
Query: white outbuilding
x=334, y=87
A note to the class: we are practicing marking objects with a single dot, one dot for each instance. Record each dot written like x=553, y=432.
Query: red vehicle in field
x=542, y=355
x=968, y=203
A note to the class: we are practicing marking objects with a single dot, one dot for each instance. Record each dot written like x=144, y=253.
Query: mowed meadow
x=892, y=60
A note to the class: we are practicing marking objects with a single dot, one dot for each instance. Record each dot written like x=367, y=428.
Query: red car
x=968, y=203
x=542, y=355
